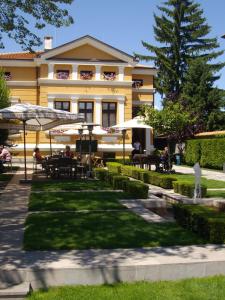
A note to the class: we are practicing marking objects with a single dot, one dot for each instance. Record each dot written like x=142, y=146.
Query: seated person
x=5, y=156
x=137, y=148
x=68, y=152
x=37, y=154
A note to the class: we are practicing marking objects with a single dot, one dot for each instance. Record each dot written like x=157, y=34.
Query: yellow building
x=87, y=76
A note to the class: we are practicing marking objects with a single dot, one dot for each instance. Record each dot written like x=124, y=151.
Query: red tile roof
x=19, y=55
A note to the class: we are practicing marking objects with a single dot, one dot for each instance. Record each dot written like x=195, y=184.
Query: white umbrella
x=35, y=117
x=137, y=122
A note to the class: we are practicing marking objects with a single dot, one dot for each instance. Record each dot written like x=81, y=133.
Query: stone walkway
x=209, y=174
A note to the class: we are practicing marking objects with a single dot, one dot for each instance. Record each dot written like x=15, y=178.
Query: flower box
x=62, y=74
x=86, y=75
x=137, y=83
x=109, y=75
x=7, y=76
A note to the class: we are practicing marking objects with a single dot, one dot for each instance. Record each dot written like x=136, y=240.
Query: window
x=137, y=83
x=7, y=76
x=135, y=111
x=62, y=74
x=109, y=75
x=87, y=109
x=62, y=105
x=86, y=75
x=108, y=114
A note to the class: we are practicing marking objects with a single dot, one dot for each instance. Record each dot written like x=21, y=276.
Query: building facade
x=86, y=76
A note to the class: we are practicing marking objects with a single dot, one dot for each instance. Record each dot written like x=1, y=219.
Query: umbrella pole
x=50, y=137
x=24, y=149
x=124, y=135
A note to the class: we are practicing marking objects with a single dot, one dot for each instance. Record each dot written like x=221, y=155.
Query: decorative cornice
x=16, y=63
x=75, y=97
x=144, y=71
x=21, y=83
x=145, y=102
x=84, y=82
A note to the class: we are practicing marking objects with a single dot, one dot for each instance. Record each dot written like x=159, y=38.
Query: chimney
x=48, y=43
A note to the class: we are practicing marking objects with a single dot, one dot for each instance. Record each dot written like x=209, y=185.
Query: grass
x=210, y=183
x=55, y=185
x=75, y=201
x=108, y=230
x=210, y=288
x=216, y=194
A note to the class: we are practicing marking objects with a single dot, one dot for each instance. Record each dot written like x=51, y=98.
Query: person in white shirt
x=137, y=148
x=5, y=156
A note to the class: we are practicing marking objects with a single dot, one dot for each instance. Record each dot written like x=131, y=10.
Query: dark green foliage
x=187, y=188
x=205, y=221
x=136, y=189
x=110, y=176
x=192, y=152
x=201, y=99
x=118, y=182
x=114, y=167
x=182, y=31
x=100, y=173
x=15, y=14
x=163, y=180
x=209, y=152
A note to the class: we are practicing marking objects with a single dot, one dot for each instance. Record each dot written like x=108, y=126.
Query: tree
x=4, y=102
x=181, y=30
x=201, y=99
x=14, y=23
x=172, y=122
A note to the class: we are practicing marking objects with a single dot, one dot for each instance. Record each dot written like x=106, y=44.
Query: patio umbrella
x=137, y=122
x=36, y=118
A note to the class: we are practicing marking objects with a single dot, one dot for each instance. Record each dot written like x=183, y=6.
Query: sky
x=124, y=24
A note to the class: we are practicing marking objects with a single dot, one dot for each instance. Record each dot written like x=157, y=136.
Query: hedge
x=136, y=189
x=114, y=167
x=209, y=152
x=100, y=173
x=187, y=188
x=205, y=221
x=118, y=181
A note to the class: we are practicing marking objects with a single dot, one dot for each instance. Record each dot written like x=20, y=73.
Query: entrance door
x=138, y=134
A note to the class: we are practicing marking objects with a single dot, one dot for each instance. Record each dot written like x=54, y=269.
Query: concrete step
x=17, y=292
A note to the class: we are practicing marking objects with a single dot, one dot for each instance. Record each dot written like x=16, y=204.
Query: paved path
x=209, y=174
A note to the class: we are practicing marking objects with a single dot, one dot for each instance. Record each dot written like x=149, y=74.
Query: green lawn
x=55, y=185
x=210, y=183
x=215, y=194
x=75, y=201
x=108, y=230
x=211, y=288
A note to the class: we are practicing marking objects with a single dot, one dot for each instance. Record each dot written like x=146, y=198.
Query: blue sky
x=123, y=24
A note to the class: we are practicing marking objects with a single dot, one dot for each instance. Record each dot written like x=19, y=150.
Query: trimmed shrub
x=114, y=167
x=136, y=189
x=144, y=176
x=118, y=181
x=187, y=188
x=209, y=152
x=158, y=179
x=101, y=173
x=205, y=221
x=192, y=152
x=110, y=176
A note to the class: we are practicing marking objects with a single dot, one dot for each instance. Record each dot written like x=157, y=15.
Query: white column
x=74, y=104
x=98, y=72
x=50, y=71
x=98, y=111
x=148, y=145
x=74, y=72
x=51, y=102
x=121, y=73
x=121, y=110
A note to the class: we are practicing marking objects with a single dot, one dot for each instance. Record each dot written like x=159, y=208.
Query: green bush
x=163, y=180
x=136, y=189
x=192, y=152
x=110, y=176
x=187, y=188
x=205, y=221
x=118, y=181
x=209, y=152
x=114, y=167
x=144, y=176
x=100, y=173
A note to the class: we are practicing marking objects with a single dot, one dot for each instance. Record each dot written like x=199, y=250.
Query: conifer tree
x=181, y=32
